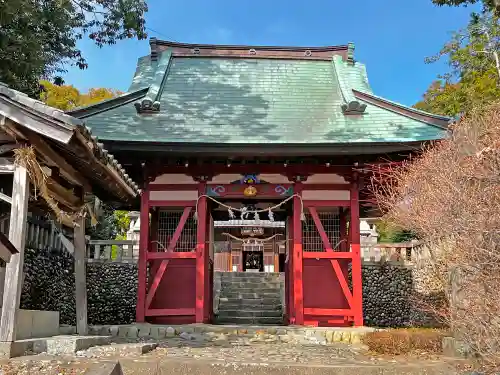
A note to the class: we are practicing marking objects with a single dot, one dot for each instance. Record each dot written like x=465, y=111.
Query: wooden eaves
x=74, y=161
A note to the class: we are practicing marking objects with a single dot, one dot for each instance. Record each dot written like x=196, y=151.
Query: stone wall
x=49, y=284
x=392, y=294
x=396, y=296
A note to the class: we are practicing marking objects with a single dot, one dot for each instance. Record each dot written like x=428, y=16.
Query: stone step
x=249, y=320
x=250, y=306
x=250, y=276
x=252, y=284
x=264, y=291
x=261, y=275
x=256, y=295
x=262, y=301
x=223, y=313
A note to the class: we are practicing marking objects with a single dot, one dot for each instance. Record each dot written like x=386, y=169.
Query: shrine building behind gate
x=254, y=158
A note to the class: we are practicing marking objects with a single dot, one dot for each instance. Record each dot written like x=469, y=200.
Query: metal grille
x=167, y=224
x=311, y=240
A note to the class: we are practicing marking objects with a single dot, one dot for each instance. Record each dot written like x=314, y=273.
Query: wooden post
x=14, y=269
x=80, y=277
x=201, y=254
x=140, y=314
x=289, y=272
x=298, y=293
x=357, y=287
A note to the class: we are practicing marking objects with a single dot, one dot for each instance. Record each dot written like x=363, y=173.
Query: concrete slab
x=36, y=324
x=45, y=323
x=15, y=349
x=70, y=344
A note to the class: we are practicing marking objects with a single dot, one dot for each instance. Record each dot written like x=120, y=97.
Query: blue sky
x=392, y=37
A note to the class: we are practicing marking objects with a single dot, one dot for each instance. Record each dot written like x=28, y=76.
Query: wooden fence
x=40, y=233
x=405, y=253
x=128, y=251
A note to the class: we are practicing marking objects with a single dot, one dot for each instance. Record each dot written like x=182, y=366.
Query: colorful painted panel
x=250, y=191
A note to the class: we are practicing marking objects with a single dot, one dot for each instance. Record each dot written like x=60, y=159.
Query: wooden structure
x=7, y=249
x=50, y=162
x=210, y=129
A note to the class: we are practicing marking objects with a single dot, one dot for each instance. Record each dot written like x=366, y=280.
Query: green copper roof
x=255, y=100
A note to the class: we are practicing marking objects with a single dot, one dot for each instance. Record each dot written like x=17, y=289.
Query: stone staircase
x=250, y=298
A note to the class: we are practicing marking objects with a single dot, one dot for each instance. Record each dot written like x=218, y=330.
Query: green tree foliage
x=474, y=77
x=66, y=97
x=38, y=37
x=488, y=5
x=389, y=233
x=111, y=224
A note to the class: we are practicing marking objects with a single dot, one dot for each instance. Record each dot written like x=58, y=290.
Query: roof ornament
x=196, y=51
x=146, y=105
x=350, y=53
x=154, y=49
x=353, y=108
x=252, y=51
x=307, y=53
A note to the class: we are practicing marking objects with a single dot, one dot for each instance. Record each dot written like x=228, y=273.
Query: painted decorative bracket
x=353, y=108
x=146, y=105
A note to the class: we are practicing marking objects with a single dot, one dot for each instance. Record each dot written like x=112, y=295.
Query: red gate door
x=171, y=294
x=328, y=298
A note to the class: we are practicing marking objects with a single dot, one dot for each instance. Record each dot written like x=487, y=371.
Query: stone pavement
x=222, y=353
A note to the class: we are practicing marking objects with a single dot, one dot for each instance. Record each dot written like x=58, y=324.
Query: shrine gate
x=289, y=134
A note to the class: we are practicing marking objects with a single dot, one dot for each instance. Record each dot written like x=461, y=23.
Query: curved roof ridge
x=169, y=43
x=152, y=100
x=416, y=114
x=106, y=105
x=345, y=90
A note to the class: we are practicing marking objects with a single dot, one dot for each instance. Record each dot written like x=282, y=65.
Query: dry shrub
x=450, y=197
x=404, y=341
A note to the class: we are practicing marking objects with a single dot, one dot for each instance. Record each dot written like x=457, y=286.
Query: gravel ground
x=259, y=350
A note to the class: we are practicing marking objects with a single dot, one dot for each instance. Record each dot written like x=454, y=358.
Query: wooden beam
x=14, y=269
x=8, y=147
x=6, y=165
x=89, y=153
x=6, y=248
x=5, y=198
x=80, y=278
x=56, y=160
x=65, y=196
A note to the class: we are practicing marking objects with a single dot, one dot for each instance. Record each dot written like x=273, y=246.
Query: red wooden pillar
x=208, y=270
x=298, y=293
x=201, y=253
x=143, y=262
x=289, y=273
x=357, y=287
